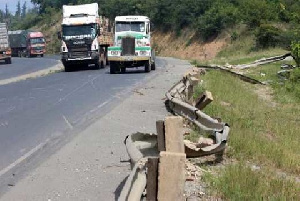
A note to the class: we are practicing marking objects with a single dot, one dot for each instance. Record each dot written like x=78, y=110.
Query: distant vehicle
x=25, y=43
x=132, y=44
x=85, y=37
x=5, y=51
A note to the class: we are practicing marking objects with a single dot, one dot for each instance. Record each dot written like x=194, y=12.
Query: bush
x=217, y=18
x=293, y=83
x=268, y=36
x=296, y=52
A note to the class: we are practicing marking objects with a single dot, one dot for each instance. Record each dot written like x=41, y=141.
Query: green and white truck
x=132, y=44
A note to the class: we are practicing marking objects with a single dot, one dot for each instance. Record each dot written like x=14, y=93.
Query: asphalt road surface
x=45, y=111
x=21, y=66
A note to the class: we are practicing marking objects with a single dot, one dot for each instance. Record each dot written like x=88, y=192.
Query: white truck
x=5, y=50
x=132, y=44
x=85, y=37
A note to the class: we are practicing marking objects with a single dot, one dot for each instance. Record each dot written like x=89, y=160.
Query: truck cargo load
x=5, y=51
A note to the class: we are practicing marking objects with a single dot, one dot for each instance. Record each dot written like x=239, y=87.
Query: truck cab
x=132, y=44
x=80, y=36
x=36, y=44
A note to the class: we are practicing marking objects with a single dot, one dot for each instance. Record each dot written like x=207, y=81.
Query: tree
x=6, y=11
x=18, y=10
x=24, y=10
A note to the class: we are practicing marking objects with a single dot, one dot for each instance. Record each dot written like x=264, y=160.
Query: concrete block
x=171, y=179
x=203, y=100
x=160, y=128
x=174, y=134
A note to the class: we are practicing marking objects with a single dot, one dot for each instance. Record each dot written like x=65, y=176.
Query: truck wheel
x=68, y=67
x=8, y=61
x=113, y=67
x=97, y=65
x=102, y=65
x=42, y=55
x=147, y=67
x=123, y=69
x=153, y=66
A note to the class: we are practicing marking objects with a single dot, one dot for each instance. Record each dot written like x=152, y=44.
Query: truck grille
x=128, y=46
x=79, y=52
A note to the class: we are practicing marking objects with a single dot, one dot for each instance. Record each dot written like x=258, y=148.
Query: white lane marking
x=23, y=158
x=67, y=122
x=98, y=107
x=76, y=89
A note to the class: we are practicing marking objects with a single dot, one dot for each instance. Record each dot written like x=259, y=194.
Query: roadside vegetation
x=264, y=140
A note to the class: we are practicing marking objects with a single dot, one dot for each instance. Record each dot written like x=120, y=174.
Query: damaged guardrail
x=158, y=160
x=263, y=61
x=238, y=74
x=233, y=69
x=178, y=97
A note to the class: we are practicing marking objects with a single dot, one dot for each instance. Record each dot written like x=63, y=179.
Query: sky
x=12, y=4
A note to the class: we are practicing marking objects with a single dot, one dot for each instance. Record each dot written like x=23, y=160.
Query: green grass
x=240, y=182
x=260, y=133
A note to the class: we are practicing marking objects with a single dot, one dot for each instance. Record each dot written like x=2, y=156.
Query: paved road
x=21, y=66
x=54, y=108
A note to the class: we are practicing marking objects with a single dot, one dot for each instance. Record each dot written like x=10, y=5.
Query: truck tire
x=147, y=66
x=123, y=69
x=67, y=67
x=153, y=66
x=102, y=64
x=97, y=65
x=8, y=61
x=153, y=57
x=42, y=55
x=113, y=67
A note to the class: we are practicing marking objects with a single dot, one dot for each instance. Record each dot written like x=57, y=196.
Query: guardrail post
x=174, y=134
x=171, y=178
x=203, y=100
x=152, y=177
x=171, y=175
x=160, y=129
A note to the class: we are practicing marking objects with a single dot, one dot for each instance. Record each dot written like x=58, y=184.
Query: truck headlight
x=64, y=47
x=95, y=44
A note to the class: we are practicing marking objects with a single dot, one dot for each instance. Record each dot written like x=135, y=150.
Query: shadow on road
x=119, y=189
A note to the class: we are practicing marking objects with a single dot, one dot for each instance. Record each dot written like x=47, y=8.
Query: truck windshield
x=37, y=40
x=82, y=31
x=130, y=26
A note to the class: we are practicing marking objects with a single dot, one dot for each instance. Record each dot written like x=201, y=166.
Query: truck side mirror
x=59, y=35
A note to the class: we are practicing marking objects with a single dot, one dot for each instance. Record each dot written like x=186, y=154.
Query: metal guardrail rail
x=219, y=130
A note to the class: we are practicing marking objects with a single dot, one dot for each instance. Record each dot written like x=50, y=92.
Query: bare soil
x=187, y=46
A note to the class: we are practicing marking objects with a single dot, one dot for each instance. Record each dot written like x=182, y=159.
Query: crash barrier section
x=233, y=69
x=180, y=101
x=237, y=74
x=158, y=160
x=263, y=61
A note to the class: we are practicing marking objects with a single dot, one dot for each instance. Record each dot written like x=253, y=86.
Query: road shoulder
x=94, y=165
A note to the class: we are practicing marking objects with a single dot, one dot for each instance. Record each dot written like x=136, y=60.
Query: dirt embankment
x=187, y=45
